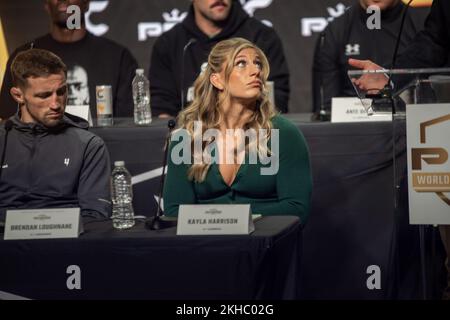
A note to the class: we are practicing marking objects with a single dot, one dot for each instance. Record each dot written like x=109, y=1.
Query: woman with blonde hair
x=238, y=150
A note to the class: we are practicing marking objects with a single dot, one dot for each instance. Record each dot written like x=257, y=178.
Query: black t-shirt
x=91, y=61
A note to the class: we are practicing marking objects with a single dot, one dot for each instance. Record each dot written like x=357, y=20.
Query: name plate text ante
x=206, y=219
x=352, y=110
x=43, y=223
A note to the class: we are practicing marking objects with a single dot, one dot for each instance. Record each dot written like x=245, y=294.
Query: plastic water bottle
x=122, y=197
x=141, y=98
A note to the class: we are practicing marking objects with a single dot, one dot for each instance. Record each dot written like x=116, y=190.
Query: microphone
x=323, y=113
x=386, y=92
x=8, y=126
x=190, y=42
x=397, y=44
x=157, y=222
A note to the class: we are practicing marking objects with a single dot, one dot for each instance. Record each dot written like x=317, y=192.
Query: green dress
x=288, y=192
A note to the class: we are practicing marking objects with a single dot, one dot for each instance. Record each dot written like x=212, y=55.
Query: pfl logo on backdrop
x=318, y=24
x=94, y=7
x=431, y=180
x=250, y=6
x=155, y=29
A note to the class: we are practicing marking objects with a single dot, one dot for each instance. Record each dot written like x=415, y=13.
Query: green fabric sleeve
x=294, y=181
x=178, y=189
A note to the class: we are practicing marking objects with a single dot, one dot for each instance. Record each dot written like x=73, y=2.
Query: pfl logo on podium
x=423, y=179
x=428, y=163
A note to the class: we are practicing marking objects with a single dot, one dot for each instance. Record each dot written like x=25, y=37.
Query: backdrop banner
x=137, y=23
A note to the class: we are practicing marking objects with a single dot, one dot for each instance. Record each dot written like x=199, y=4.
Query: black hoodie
x=64, y=166
x=166, y=66
x=431, y=47
x=349, y=37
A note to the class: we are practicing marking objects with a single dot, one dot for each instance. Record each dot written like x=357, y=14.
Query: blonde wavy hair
x=206, y=104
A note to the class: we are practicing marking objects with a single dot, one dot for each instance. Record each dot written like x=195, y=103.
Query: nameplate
x=43, y=224
x=352, y=110
x=206, y=219
x=83, y=112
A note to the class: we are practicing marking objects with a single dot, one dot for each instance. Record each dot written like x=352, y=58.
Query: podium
x=389, y=91
x=422, y=97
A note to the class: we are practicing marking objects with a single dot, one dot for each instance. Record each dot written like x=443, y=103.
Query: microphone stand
x=158, y=222
x=397, y=187
x=387, y=97
x=324, y=114
x=8, y=126
x=190, y=42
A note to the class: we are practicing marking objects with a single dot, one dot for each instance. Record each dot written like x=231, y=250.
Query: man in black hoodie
x=91, y=61
x=49, y=159
x=179, y=54
x=348, y=36
x=429, y=49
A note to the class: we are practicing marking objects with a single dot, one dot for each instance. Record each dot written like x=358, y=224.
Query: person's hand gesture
x=371, y=82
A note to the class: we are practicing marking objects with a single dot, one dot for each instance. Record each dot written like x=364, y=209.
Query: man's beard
x=219, y=23
x=49, y=123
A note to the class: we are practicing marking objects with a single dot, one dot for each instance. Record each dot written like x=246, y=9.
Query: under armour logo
x=5, y=166
x=352, y=50
x=66, y=161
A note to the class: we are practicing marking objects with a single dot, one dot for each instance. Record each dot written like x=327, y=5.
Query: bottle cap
x=119, y=163
x=140, y=71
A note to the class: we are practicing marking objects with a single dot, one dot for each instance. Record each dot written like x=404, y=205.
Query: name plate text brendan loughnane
x=214, y=219
x=43, y=223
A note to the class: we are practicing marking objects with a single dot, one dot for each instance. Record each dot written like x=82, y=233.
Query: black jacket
x=169, y=66
x=90, y=61
x=431, y=47
x=348, y=37
x=65, y=166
